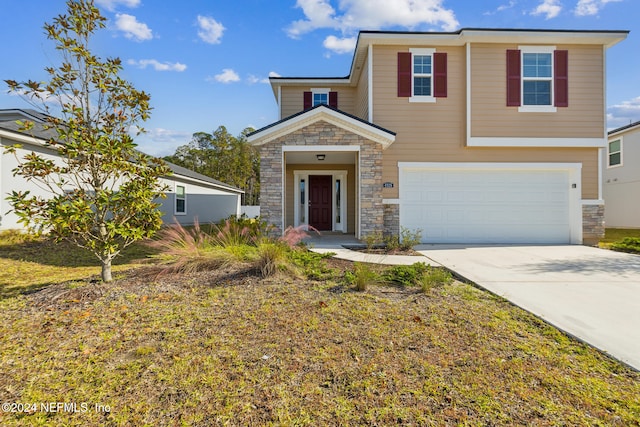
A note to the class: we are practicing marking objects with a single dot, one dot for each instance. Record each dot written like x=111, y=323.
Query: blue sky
x=206, y=63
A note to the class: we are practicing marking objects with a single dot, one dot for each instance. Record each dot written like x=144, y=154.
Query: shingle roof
x=622, y=128
x=293, y=116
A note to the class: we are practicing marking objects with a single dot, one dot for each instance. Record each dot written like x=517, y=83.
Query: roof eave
x=322, y=112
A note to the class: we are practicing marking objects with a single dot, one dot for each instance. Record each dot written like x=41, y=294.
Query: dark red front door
x=320, y=202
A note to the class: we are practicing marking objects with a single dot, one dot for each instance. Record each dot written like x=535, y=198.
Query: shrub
x=311, y=265
x=373, y=239
x=271, y=256
x=435, y=277
x=293, y=236
x=405, y=275
x=256, y=228
x=627, y=244
x=190, y=249
x=176, y=240
x=362, y=276
x=408, y=238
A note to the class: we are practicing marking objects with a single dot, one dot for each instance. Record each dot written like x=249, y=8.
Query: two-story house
x=621, y=177
x=475, y=136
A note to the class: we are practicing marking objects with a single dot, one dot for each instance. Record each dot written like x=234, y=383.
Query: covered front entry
x=322, y=168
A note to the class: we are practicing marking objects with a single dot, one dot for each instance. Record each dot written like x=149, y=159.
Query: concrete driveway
x=592, y=294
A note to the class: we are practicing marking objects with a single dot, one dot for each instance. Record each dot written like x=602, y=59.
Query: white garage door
x=467, y=204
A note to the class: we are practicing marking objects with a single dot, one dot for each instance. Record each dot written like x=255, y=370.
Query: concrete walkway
x=336, y=243
x=592, y=294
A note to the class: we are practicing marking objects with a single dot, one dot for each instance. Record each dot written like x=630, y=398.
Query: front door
x=320, y=202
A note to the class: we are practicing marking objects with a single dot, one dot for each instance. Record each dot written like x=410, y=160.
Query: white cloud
x=227, y=76
x=501, y=8
x=591, y=7
x=157, y=65
x=340, y=45
x=371, y=14
x=624, y=113
x=549, y=8
x=112, y=4
x=210, y=30
x=274, y=74
x=133, y=29
x=161, y=142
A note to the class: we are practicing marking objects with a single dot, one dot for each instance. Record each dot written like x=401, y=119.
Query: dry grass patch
x=227, y=347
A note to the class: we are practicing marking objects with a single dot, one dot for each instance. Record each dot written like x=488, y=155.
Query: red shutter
x=333, y=99
x=513, y=78
x=307, y=101
x=440, y=74
x=561, y=78
x=404, y=74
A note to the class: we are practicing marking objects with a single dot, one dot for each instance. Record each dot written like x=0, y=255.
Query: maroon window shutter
x=440, y=74
x=404, y=74
x=307, y=101
x=513, y=78
x=333, y=99
x=561, y=78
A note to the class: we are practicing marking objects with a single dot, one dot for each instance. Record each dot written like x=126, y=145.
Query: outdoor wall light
x=320, y=157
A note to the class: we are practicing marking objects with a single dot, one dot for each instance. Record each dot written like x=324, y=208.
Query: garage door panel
x=486, y=206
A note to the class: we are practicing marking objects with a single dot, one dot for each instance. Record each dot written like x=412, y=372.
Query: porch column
x=271, y=186
x=371, y=208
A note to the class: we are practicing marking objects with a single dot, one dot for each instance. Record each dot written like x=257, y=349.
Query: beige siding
x=292, y=99
x=351, y=188
x=362, y=93
x=436, y=132
x=491, y=117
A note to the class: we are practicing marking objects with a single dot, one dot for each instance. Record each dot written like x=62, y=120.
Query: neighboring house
x=621, y=177
x=190, y=195
x=475, y=136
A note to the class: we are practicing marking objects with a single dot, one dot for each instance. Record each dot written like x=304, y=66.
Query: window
x=321, y=96
x=615, y=153
x=181, y=200
x=422, y=75
x=537, y=78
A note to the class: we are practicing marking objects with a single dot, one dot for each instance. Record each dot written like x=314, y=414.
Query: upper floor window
x=537, y=78
x=422, y=75
x=615, y=153
x=320, y=96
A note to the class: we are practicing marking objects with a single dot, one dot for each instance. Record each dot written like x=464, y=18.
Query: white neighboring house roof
x=623, y=129
x=9, y=129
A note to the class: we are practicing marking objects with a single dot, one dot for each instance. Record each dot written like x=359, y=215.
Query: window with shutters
x=422, y=75
x=320, y=96
x=537, y=78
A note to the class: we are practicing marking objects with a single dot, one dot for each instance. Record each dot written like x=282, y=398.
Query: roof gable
x=325, y=113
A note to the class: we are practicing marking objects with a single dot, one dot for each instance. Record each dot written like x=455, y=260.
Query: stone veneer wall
x=322, y=133
x=391, y=220
x=592, y=224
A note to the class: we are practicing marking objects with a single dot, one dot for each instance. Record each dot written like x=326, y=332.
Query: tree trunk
x=106, y=270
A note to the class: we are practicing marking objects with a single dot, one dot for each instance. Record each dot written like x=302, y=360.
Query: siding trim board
x=537, y=142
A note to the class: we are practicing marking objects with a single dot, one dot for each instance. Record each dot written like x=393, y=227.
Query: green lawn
x=227, y=347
